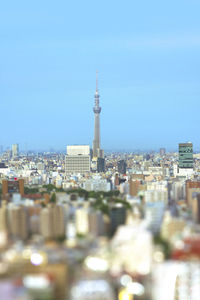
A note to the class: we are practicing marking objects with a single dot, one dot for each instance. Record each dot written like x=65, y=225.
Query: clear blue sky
x=148, y=57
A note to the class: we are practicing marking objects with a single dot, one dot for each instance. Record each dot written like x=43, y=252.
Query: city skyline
x=148, y=62
x=100, y=150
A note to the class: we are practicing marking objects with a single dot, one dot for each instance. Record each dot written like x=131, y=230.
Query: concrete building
x=78, y=150
x=13, y=186
x=177, y=190
x=171, y=226
x=52, y=221
x=77, y=159
x=154, y=212
x=151, y=196
x=134, y=187
x=96, y=223
x=18, y=222
x=3, y=217
x=196, y=207
x=15, y=150
x=82, y=221
x=97, y=184
x=191, y=187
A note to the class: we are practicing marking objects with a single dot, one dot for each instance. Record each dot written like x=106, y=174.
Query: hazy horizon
x=106, y=150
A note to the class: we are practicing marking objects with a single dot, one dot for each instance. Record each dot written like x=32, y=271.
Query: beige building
x=52, y=221
x=18, y=222
x=77, y=159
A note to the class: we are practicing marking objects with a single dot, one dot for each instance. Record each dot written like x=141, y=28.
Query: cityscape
x=100, y=150
x=89, y=225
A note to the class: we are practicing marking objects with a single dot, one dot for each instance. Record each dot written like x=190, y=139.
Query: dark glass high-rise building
x=186, y=156
x=121, y=165
x=117, y=218
x=100, y=164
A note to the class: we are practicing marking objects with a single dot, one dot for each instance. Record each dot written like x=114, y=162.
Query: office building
x=100, y=165
x=15, y=150
x=186, y=155
x=13, y=186
x=97, y=151
x=77, y=159
x=117, y=217
x=121, y=165
x=134, y=186
x=185, y=163
x=78, y=150
x=97, y=184
x=192, y=186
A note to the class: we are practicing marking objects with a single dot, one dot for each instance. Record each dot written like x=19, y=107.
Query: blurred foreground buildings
x=59, y=215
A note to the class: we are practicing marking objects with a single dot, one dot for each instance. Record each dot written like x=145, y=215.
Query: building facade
x=15, y=150
x=77, y=159
x=186, y=156
x=185, y=162
x=13, y=186
x=121, y=165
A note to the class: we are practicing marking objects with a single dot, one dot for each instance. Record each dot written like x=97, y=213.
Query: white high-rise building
x=15, y=150
x=77, y=159
x=78, y=150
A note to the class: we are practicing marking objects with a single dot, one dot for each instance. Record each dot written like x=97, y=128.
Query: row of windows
x=75, y=165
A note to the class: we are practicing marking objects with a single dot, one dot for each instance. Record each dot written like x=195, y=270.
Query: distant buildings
x=162, y=151
x=77, y=159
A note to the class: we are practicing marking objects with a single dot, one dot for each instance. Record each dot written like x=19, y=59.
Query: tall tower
x=97, y=152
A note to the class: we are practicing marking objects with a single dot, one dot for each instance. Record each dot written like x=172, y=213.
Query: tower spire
x=96, y=81
x=97, y=110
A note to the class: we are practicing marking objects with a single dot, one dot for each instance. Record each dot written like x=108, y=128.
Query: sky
x=147, y=54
